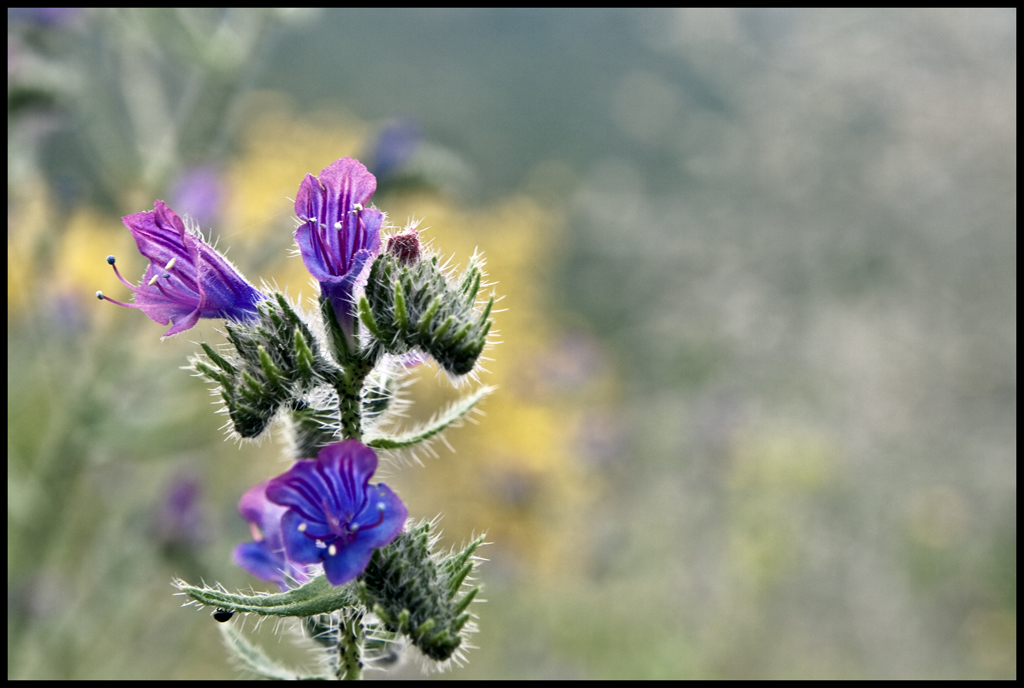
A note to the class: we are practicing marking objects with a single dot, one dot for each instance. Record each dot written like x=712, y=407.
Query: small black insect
x=223, y=615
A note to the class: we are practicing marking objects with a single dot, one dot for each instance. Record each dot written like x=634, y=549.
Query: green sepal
x=423, y=328
x=303, y=358
x=214, y=375
x=401, y=314
x=465, y=601
x=273, y=373
x=366, y=317
x=252, y=389
x=335, y=335
x=218, y=360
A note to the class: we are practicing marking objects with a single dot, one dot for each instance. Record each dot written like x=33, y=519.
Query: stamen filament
x=159, y=286
x=101, y=297
x=355, y=527
x=110, y=260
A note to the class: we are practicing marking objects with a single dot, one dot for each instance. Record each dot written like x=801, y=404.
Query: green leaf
x=437, y=424
x=317, y=596
x=254, y=659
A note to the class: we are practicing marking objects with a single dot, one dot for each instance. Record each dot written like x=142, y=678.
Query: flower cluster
x=331, y=540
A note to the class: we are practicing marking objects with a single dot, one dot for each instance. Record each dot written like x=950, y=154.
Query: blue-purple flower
x=199, y=191
x=186, y=278
x=264, y=557
x=396, y=142
x=334, y=515
x=180, y=522
x=338, y=233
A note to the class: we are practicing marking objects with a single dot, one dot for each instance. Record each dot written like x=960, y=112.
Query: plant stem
x=350, y=645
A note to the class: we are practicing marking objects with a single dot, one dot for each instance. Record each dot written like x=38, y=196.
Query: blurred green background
x=757, y=407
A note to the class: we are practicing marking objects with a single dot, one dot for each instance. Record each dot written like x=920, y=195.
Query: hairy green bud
x=415, y=306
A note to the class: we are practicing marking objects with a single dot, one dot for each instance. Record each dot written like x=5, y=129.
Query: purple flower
x=200, y=193
x=333, y=514
x=186, y=278
x=265, y=557
x=396, y=142
x=180, y=522
x=338, y=234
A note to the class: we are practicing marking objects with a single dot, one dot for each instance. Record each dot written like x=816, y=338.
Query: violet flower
x=200, y=193
x=338, y=233
x=396, y=142
x=334, y=515
x=186, y=278
x=180, y=523
x=264, y=557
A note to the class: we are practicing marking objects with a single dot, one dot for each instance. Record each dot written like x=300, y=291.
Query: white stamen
x=337, y=225
x=170, y=263
x=332, y=550
x=302, y=527
x=153, y=280
x=357, y=207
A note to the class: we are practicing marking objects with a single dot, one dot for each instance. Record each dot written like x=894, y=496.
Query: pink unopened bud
x=405, y=247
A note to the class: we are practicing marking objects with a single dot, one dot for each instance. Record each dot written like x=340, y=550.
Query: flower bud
x=405, y=247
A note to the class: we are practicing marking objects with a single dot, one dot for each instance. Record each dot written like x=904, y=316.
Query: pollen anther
x=332, y=550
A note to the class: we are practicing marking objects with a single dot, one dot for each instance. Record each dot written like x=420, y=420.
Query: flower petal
x=348, y=562
x=258, y=559
x=298, y=545
x=378, y=528
x=348, y=467
x=303, y=489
